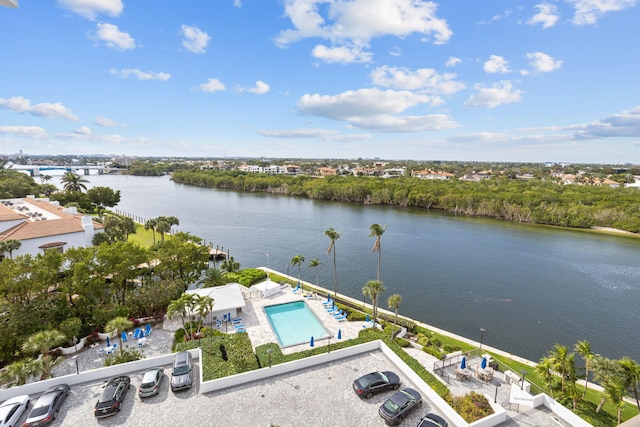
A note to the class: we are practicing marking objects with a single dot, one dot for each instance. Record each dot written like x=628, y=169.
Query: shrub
x=402, y=342
x=123, y=356
x=472, y=406
x=449, y=348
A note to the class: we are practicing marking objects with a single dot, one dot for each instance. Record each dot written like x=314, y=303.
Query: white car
x=12, y=409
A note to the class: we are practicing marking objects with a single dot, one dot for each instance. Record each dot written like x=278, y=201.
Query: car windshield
x=38, y=411
x=383, y=376
x=181, y=370
x=4, y=411
x=108, y=393
x=391, y=406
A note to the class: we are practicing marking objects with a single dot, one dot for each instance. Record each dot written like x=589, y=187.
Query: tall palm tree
x=604, y=370
x=394, y=302
x=42, y=342
x=45, y=178
x=203, y=306
x=583, y=348
x=151, y=224
x=10, y=246
x=630, y=370
x=297, y=260
x=178, y=306
x=20, y=371
x=73, y=182
x=560, y=359
x=212, y=277
x=377, y=230
x=544, y=369
x=615, y=390
x=119, y=325
x=333, y=235
x=374, y=289
x=315, y=263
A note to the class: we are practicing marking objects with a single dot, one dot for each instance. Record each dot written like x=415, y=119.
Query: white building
x=42, y=225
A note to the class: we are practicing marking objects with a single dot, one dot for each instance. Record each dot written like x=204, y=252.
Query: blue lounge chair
x=147, y=330
x=328, y=302
x=339, y=313
x=341, y=318
x=333, y=309
x=237, y=320
x=123, y=336
x=138, y=333
x=297, y=288
x=218, y=323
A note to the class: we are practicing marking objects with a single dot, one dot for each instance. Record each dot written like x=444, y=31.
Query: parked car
x=113, y=394
x=398, y=406
x=433, y=420
x=12, y=409
x=46, y=408
x=181, y=375
x=151, y=381
x=376, y=382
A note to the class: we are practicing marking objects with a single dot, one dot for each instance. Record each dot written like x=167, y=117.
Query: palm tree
x=604, y=370
x=315, y=263
x=203, y=306
x=73, y=182
x=10, y=246
x=230, y=265
x=297, y=260
x=19, y=372
x=42, y=342
x=544, y=369
x=45, y=178
x=212, y=277
x=333, y=235
x=183, y=306
x=377, y=230
x=119, y=325
x=583, y=348
x=374, y=289
x=615, y=389
x=630, y=370
x=151, y=224
x=560, y=359
x=394, y=302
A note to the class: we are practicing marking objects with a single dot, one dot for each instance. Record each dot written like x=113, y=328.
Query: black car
x=375, y=382
x=433, y=420
x=112, y=396
x=46, y=408
x=398, y=406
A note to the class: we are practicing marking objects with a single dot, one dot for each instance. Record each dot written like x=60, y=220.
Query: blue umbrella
x=483, y=364
x=339, y=334
x=463, y=364
x=311, y=343
x=108, y=342
x=229, y=317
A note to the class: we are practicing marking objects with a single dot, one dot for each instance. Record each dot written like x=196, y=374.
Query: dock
x=216, y=254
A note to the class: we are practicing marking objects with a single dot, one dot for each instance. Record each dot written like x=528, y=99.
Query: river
x=529, y=287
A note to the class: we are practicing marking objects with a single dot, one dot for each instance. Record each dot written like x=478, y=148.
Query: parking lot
x=315, y=396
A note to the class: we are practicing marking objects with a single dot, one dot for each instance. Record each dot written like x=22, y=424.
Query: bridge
x=36, y=170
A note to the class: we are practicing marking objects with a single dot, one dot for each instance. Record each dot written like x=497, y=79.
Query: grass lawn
x=143, y=237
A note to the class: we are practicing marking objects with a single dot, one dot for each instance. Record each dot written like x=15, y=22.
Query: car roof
x=13, y=400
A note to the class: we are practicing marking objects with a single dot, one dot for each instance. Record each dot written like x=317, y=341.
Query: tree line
x=527, y=201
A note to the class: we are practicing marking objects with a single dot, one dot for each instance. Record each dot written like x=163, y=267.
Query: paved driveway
x=314, y=396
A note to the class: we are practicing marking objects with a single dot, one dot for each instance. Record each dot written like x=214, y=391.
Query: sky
x=458, y=80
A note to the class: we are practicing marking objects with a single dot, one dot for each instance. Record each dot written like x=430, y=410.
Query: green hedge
x=247, y=277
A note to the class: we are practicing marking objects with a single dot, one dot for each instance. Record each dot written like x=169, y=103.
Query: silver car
x=151, y=381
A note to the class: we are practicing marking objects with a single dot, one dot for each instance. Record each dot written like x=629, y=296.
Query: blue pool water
x=294, y=323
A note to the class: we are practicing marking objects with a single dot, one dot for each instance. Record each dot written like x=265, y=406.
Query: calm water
x=529, y=287
x=293, y=323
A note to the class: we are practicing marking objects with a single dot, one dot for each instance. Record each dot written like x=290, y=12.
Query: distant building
x=327, y=171
x=429, y=174
x=41, y=225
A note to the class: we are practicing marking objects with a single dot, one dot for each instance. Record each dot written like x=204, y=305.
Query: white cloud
x=395, y=51
x=260, y=88
x=423, y=79
x=359, y=103
x=389, y=123
x=542, y=62
x=44, y=109
x=237, y=3
x=358, y=21
x=588, y=12
x=625, y=124
x=195, y=40
x=497, y=94
x=141, y=75
x=342, y=54
x=313, y=133
x=452, y=62
x=32, y=132
x=114, y=38
x=105, y=122
x=212, y=85
x=496, y=64
x=547, y=15
x=83, y=131
x=91, y=8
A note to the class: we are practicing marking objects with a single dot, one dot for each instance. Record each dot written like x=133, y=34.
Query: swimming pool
x=294, y=323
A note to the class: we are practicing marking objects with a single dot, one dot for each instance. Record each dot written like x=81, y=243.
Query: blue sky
x=396, y=79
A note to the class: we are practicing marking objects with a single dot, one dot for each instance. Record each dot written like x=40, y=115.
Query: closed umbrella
x=483, y=364
x=108, y=342
x=311, y=343
x=367, y=318
x=463, y=364
x=339, y=334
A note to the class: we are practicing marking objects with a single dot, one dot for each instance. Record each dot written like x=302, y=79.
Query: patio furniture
x=462, y=374
x=142, y=341
x=485, y=374
x=138, y=333
x=123, y=336
x=147, y=330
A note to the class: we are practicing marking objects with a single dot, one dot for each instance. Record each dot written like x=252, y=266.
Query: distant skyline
x=553, y=81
